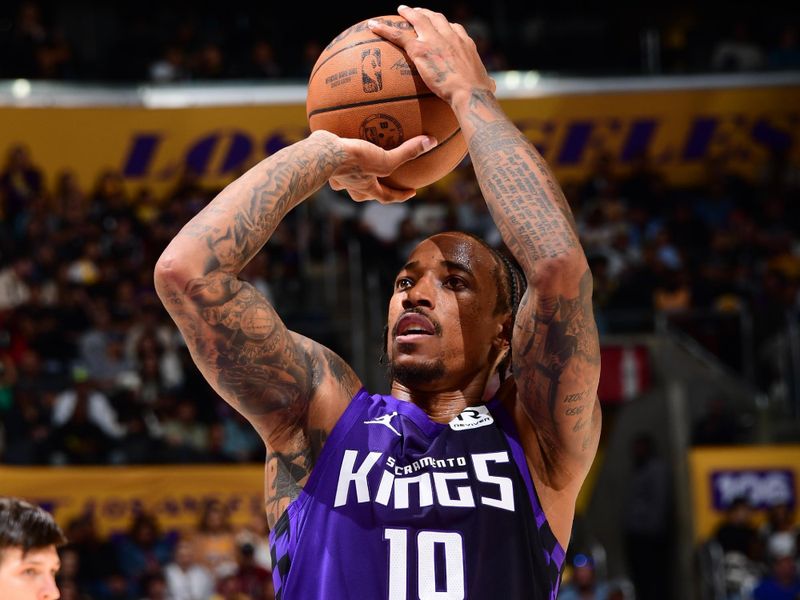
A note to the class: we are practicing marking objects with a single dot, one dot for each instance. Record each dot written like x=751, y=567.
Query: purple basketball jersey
x=401, y=507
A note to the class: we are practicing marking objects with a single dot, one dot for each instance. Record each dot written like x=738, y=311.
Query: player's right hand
x=443, y=53
x=364, y=163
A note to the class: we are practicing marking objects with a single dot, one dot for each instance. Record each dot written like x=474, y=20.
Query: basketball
x=363, y=86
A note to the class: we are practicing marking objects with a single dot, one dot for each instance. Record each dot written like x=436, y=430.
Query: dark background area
x=120, y=41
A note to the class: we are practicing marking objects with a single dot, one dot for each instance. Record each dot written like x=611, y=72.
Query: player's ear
x=502, y=343
x=503, y=332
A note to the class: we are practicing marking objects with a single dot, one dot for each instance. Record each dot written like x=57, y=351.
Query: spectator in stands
x=28, y=427
x=14, y=283
x=214, y=541
x=185, y=437
x=97, y=558
x=646, y=521
x=736, y=533
x=79, y=440
x=142, y=552
x=70, y=567
x=240, y=442
x=208, y=62
x=256, y=533
x=312, y=49
x=29, y=35
x=20, y=182
x=186, y=578
x=155, y=587
x=263, y=64
x=85, y=394
x=786, y=54
x=28, y=556
x=783, y=581
x=718, y=426
x=252, y=579
x=737, y=51
x=228, y=589
x=583, y=584
x=170, y=67
x=103, y=351
x=780, y=520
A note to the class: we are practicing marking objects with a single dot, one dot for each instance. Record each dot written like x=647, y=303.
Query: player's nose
x=422, y=293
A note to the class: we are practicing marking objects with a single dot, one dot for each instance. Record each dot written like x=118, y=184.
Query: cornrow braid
x=516, y=282
x=517, y=285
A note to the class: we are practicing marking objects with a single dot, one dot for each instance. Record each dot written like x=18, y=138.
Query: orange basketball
x=363, y=86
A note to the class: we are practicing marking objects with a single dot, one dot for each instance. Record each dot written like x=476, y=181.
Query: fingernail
x=402, y=7
x=372, y=23
x=428, y=143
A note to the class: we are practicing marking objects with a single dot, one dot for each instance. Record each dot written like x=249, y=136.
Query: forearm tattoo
x=525, y=201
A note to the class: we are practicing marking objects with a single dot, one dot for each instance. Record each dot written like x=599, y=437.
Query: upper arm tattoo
x=246, y=351
x=557, y=362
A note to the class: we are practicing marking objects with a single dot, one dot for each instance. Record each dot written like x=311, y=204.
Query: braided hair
x=517, y=286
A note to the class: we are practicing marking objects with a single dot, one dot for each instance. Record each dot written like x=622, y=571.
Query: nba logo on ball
x=371, y=70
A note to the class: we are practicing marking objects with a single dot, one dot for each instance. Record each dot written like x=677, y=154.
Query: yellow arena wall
x=679, y=129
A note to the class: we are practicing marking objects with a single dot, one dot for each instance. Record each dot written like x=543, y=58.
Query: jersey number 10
x=453, y=546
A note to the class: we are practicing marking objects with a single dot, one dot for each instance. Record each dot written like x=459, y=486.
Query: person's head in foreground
x=451, y=314
x=28, y=556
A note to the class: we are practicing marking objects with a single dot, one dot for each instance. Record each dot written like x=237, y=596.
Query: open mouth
x=412, y=325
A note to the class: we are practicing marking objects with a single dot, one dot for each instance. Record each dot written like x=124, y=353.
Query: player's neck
x=441, y=406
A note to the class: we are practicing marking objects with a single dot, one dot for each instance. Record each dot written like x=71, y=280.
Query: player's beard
x=416, y=375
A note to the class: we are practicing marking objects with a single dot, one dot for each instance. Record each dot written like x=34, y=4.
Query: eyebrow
x=450, y=264
x=457, y=266
x=39, y=563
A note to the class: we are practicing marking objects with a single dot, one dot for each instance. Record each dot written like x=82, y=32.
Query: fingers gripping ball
x=363, y=86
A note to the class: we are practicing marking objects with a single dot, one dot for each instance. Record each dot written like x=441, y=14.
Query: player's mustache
x=437, y=329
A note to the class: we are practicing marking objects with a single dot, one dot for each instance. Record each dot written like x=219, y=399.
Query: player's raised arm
x=556, y=357
x=291, y=389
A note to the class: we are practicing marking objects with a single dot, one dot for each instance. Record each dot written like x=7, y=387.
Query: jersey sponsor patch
x=472, y=418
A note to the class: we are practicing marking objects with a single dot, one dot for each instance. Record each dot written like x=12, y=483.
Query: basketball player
x=28, y=557
x=462, y=482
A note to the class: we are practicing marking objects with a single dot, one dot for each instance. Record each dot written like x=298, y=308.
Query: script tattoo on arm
x=525, y=201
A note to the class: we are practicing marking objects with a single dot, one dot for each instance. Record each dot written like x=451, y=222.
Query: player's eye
x=29, y=572
x=455, y=283
x=403, y=283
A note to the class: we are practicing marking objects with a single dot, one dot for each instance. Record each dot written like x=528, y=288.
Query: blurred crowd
x=212, y=561
x=175, y=41
x=759, y=561
x=93, y=371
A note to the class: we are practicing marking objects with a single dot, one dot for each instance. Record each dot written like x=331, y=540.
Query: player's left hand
x=365, y=163
x=445, y=56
